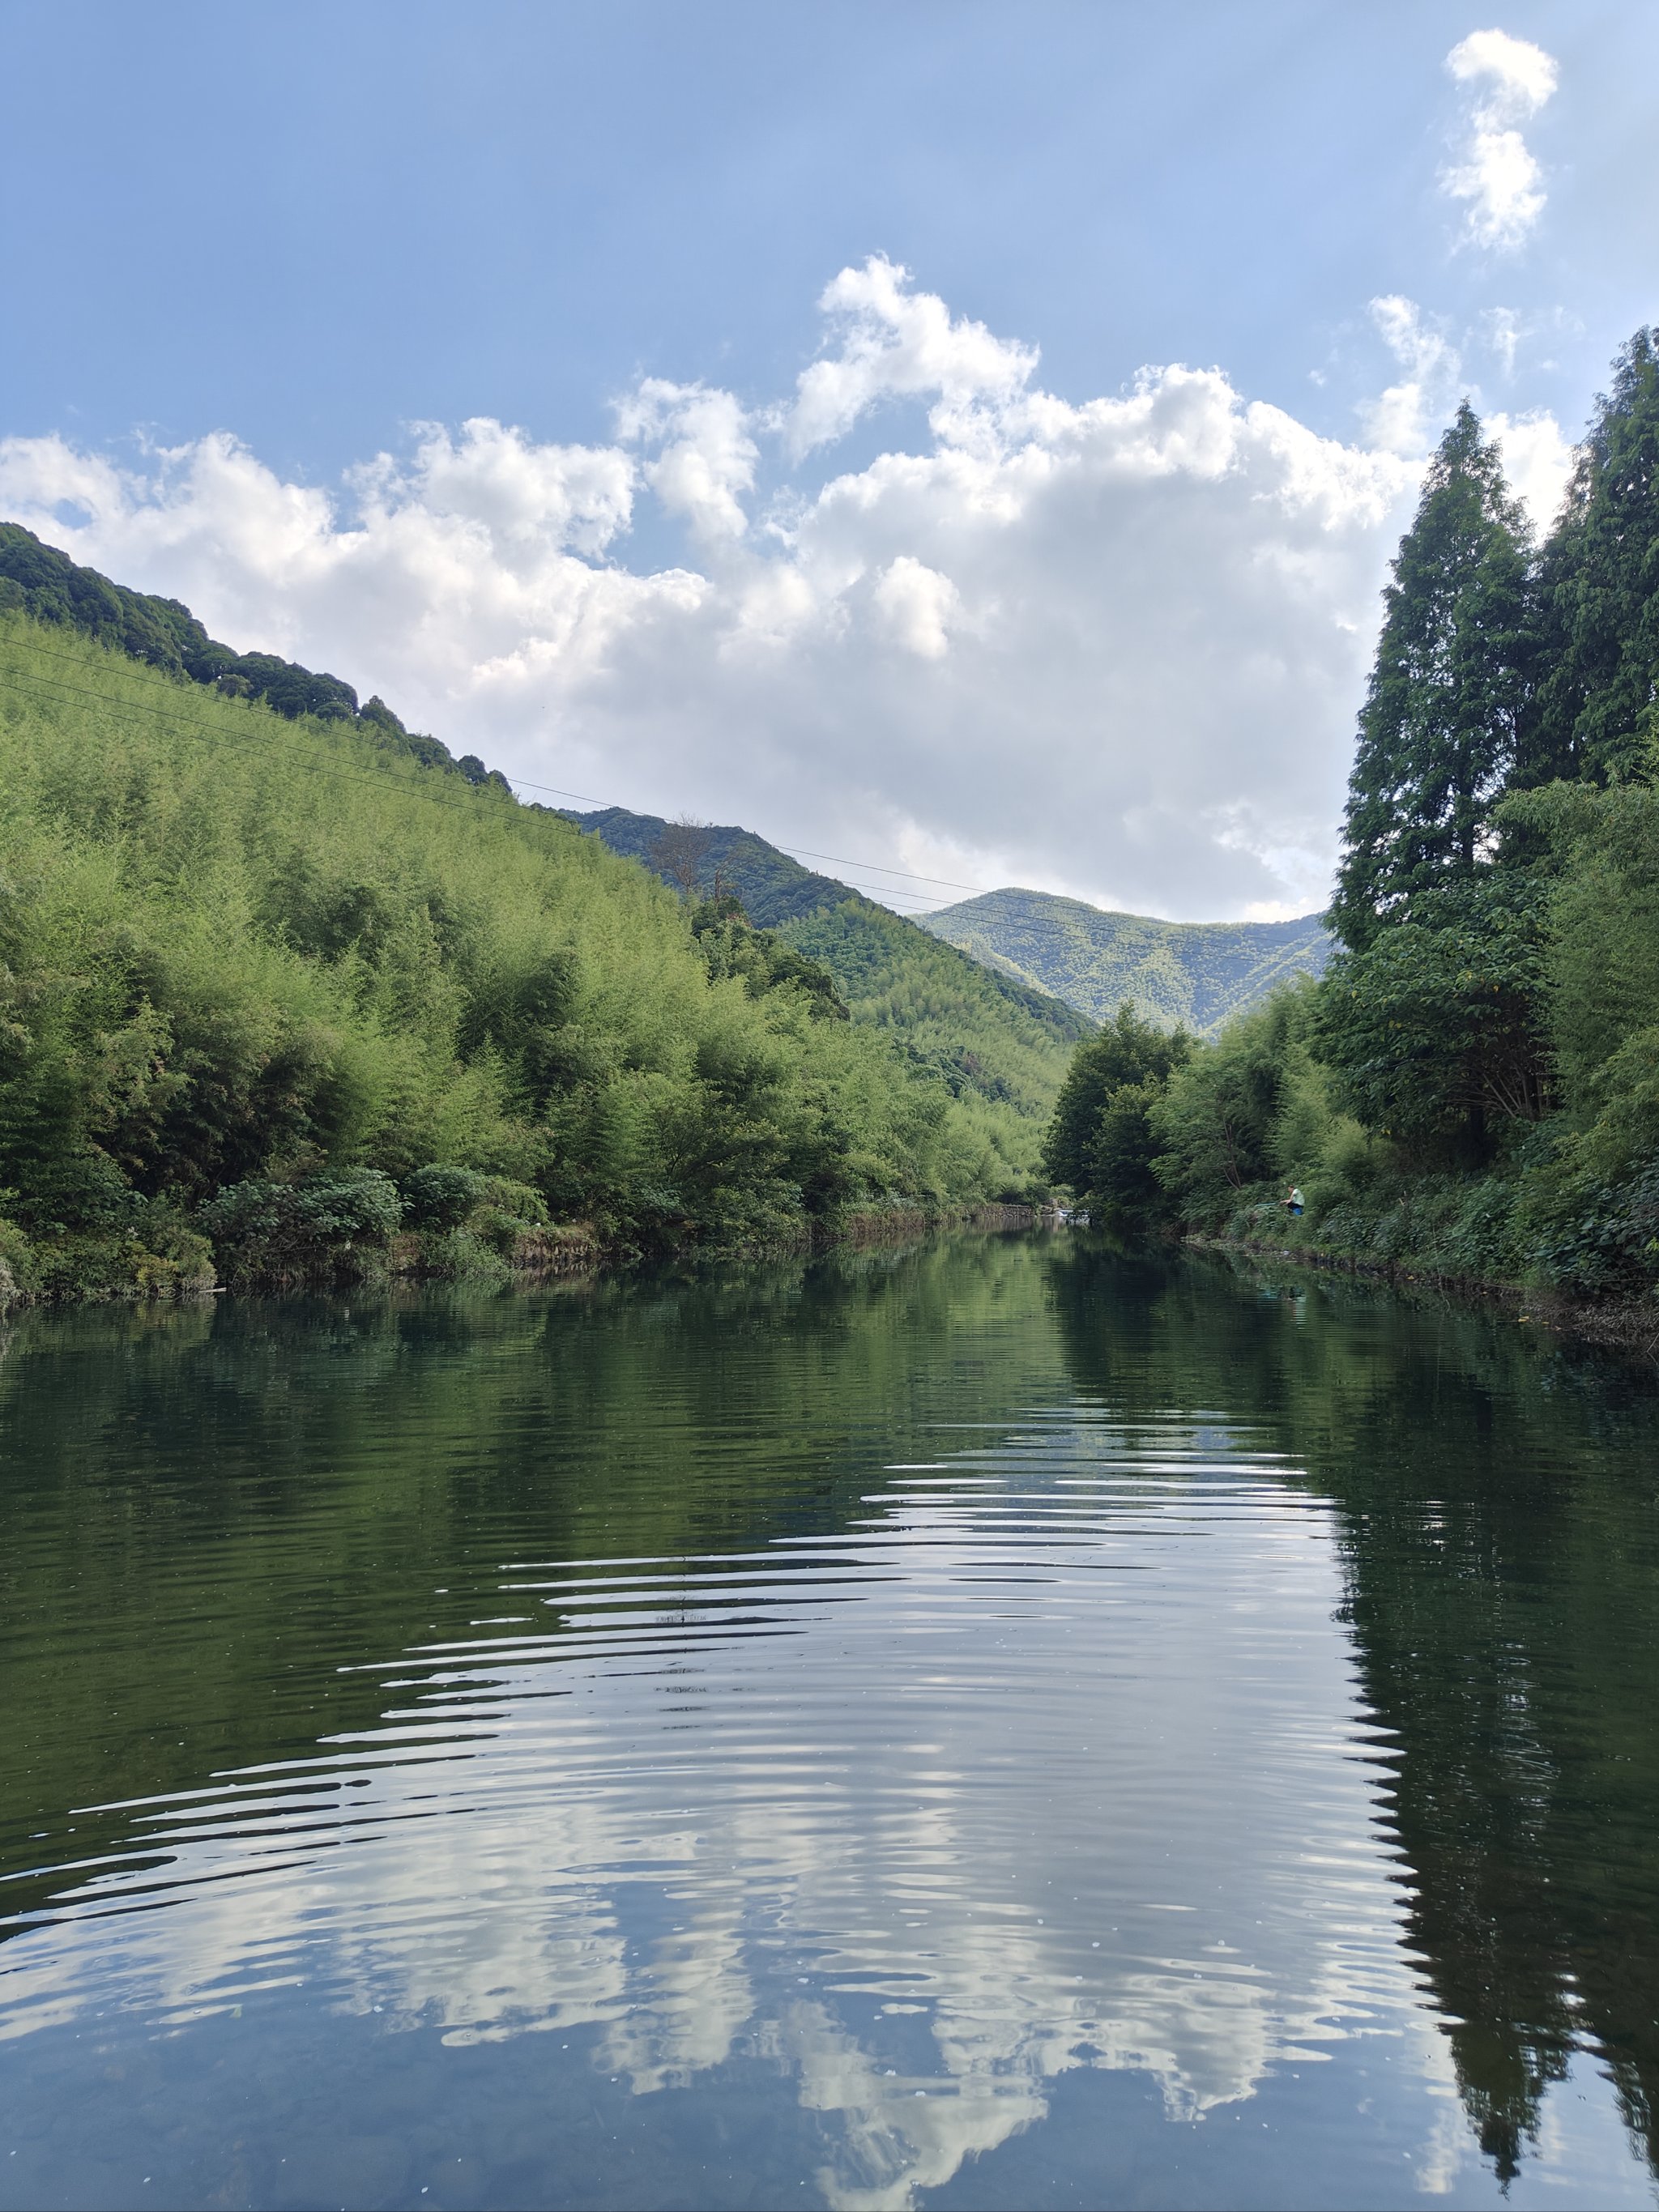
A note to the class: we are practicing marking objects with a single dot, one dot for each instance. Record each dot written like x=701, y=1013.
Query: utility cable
x=214, y=735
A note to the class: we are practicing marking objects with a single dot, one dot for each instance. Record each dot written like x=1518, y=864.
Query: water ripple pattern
x=1050, y=1761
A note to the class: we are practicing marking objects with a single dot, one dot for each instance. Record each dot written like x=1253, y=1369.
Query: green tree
x=1435, y=1030
x=1596, y=716
x=1439, y=729
x=1244, y=1110
x=1100, y=1142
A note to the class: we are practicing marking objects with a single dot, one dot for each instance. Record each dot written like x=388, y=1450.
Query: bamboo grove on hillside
x=293, y=999
x=1472, y=1087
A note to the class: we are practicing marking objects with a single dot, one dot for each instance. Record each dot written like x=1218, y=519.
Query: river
x=998, y=1723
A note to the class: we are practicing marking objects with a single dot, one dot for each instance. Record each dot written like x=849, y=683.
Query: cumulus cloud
x=1506, y=81
x=920, y=605
x=1406, y=418
x=705, y=458
x=888, y=342
x=1112, y=648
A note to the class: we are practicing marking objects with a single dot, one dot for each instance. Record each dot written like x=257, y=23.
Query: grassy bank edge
x=1622, y=1326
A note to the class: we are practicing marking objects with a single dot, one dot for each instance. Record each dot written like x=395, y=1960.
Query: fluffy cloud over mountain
x=1113, y=647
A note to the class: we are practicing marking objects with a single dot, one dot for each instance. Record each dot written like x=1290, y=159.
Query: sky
x=968, y=440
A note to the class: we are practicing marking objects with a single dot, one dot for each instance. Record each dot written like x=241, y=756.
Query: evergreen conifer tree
x=1597, y=717
x=1438, y=732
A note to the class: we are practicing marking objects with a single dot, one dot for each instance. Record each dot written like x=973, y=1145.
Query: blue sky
x=247, y=251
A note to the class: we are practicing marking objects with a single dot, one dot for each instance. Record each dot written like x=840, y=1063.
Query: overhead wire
x=795, y=852
x=917, y=901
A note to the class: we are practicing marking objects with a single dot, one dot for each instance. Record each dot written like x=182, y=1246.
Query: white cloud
x=1404, y=418
x=1408, y=416
x=705, y=458
x=897, y=343
x=1112, y=648
x=920, y=605
x=1504, y=333
x=1507, y=80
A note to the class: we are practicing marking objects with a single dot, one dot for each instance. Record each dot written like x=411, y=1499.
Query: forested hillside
x=981, y=1033
x=1472, y=1088
x=1195, y=973
x=279, y=995
x=702, y=856
x=40, y=580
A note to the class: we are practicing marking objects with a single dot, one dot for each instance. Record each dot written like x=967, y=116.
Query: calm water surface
x=991, y=1725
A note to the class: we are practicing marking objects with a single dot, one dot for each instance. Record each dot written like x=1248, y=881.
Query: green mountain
x=1196, y=973
x=986, y=1034
x=283, y=996
x=37, y=580
x=978, y=1057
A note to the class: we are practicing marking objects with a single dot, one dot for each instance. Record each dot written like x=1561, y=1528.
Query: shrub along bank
x=1472, y=1089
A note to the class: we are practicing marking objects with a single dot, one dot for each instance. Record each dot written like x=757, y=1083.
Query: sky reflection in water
x=856, y=1844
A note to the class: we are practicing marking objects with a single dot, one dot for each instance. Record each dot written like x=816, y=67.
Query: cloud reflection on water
x=1056, y=1762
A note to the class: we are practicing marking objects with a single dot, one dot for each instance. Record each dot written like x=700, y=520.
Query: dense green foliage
x=258, y=978
x=1595, y=718
x=1099, y=1139
x=1472, y=1087
x=999, y=1046
x=1194, y=975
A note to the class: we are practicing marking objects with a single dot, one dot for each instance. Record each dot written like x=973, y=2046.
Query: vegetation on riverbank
x=1472, y=1089
x=280, y=999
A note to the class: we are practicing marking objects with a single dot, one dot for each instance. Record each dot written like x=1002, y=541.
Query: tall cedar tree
x=1438, y=732
x=1597, y=715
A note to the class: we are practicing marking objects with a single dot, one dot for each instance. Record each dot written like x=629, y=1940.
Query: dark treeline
x=1472, y=1087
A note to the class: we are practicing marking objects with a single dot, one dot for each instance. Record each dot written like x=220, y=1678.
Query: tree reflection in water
x=1499, y=1516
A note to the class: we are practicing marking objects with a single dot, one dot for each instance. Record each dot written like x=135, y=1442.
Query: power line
x=795, y=852
x=876, y=868
x=224, y=737
x=236, y=738
x=212, y=736
x=294, y=741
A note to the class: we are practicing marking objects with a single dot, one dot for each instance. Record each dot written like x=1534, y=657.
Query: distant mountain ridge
x=774, y=889
x=987, y=1034
x=1195, y=973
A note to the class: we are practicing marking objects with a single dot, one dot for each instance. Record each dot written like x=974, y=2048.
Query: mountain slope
x=39, y=581
x=987, y=1034
x=774, y=888
x=280, y=999
x=1197, y=973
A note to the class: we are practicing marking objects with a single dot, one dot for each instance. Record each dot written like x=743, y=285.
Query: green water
x=992, y=1725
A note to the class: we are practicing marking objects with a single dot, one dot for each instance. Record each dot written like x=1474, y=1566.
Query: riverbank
x=83, y=1271
x=1622, y=1326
